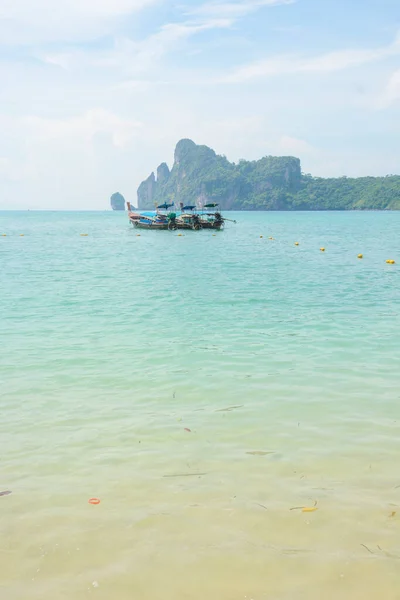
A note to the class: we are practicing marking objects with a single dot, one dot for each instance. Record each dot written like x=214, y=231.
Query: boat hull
x=212, y=225
x=153, y=225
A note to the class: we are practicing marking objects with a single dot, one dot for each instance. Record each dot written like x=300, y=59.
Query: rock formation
x=199, y=176
x=117, y=201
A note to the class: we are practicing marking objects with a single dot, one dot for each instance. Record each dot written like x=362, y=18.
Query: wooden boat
x=151, y=223
x=188, y=219
x=153, y=220
x=211, y=220
x=133, y=216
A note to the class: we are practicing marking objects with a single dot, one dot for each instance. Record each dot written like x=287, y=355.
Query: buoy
x=271, y=238
x=359, y=256
x=4, y=235
x=309, y=509
x=261, y=236
x=214, y=234
x=21, y=235
x=94, y=501
x=390, y=261
x=296, y=243
x=138, y=235
x=84, y=234
x=180, y=234
x=322, y=249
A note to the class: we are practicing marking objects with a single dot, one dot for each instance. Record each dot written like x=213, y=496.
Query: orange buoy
x=94, y=501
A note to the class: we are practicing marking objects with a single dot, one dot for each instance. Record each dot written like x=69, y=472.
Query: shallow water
x=113, y=344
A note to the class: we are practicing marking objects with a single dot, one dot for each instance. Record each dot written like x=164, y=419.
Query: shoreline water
x=113, y=345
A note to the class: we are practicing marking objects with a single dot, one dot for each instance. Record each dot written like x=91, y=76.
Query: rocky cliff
x=117, y=201
x=199, y=175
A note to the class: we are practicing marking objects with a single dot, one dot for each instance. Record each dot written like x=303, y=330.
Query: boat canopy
x=165, y=205
x=188, y=207
x=210, y=205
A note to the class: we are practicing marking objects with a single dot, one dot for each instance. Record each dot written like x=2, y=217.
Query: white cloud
x=40, y=21
x=344, y=59
x=392, y=91
x=75, y=162
x=130, y=57
x=234, y=10
x=84, y=127
x=155, y=46
x=11, y=171
x=325, y=63
x=295, y=146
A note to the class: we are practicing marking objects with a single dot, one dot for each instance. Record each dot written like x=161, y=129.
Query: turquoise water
x=113, y=344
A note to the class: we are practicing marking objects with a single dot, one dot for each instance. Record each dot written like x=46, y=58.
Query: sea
x=203, y=416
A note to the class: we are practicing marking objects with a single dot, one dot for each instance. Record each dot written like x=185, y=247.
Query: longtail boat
x=133, y=216
x=153, y=220
x=187, y=218
x=211, y=220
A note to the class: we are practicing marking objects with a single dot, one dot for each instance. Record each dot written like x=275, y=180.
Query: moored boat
x=153, y=220
x=188, y=219
x=211, y=220
x=132, y=215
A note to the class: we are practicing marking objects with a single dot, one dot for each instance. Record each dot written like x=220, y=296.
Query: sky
x=94, y=94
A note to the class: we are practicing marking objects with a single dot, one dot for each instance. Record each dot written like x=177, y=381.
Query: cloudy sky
x=94, y=94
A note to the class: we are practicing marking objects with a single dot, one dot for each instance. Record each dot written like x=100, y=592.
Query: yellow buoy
x=390, y=261
x=270, y=238
x=322, y=249
x=138, y=235
x=261, y=236
x=296, y=243
x=3, y=235
x=309, y=509
x=84, y=234
x=21, y=235
x=214, y=234
x=359, y=256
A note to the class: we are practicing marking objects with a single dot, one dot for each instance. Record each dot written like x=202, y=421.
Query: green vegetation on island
x=271, y=183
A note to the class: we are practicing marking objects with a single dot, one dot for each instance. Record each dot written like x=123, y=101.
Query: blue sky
x=96, y=93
